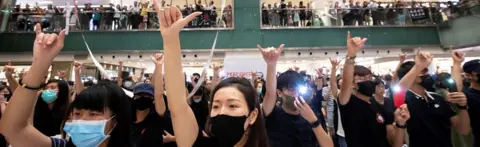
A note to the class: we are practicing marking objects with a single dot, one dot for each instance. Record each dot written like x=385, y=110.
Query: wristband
x=315, y=124
x=30, y=88
x=462, y=107
x=401, y=127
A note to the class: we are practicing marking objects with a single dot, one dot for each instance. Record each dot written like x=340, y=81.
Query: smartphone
x=452, y=86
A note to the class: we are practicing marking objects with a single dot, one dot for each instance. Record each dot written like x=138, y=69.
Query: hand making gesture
x=271, y=55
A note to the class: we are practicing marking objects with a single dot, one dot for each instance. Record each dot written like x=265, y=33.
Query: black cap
x=472, y=66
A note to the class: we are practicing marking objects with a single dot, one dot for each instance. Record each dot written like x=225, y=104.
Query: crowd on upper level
x=358, y=13
x=113, y=17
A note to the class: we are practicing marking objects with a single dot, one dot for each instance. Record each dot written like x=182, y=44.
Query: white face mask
x=197, y=100
x=128, y=84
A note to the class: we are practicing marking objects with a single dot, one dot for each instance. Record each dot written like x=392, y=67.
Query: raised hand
x=402, y=57
x=423, y=59
x=171, y=20
x=334, y=62
x=47, y=46
x=402, y=115
x=78, y=65
x=61, y=73
x=354, y=44
x=457, y=98
x=271, y=55
x=9, y=69
x=305, y=110
x=157, y=59
x=458, y=57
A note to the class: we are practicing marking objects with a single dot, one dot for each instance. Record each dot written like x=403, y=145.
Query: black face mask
x=427, y=82
x=228, y=129
x=7, y=96
x=366, y=88
x=195, y=80
x=142, y=103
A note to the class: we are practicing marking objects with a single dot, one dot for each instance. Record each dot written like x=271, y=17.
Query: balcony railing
x=353, y=17
x=111, y=21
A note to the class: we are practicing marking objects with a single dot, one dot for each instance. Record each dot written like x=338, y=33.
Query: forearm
x=158, y=85
x=23, y=101
x=183, y=120
x=119, y=75
x=463, y=125
x=333, y=81
x=457, y=76
x=215, y=79
x=395, y=76
x=270, y=95
x=12, y=83
x=399, y=137
x=346, y=83
x=322, y=137
x=78, y=82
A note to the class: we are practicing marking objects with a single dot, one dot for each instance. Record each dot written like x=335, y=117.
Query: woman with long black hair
x=235, y=117
x=51, y=107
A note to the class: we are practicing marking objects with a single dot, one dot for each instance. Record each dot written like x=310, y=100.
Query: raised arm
x=216, y=76
x=78, y=81
x=270, y=56
x=158, y=82
x=120, y=74
x=333, y=77
x=402, y=58
x=9, y=70
x=183, y=120
x=14, y=121
x=353, y=45
x=458, y=58
x=461, y=122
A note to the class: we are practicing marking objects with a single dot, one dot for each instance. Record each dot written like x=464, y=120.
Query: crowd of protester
x=114, y=17
x=357, y=13
x=279, y=110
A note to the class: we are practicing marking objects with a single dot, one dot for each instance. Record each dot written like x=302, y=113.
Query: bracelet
x=30, y=88
x=315, y=124
x=401, y=127
x=350, y=60
x=462, y=107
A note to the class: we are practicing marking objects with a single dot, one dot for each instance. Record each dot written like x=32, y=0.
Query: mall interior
x=114, y=38
x=310, y=38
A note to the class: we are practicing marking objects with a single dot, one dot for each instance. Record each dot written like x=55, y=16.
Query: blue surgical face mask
x=49, y=96
x=259, y=90
x=197, y=100
x=87, y=133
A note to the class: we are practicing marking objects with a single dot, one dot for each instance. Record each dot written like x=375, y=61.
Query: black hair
x=289, y=79
x=104, y=95
x=377, y=81
x=196, y=74
x=388, y=77
x=442, y=80
x=257, y=135
x=70, y=83
x=404, y=69
x=338, y=81
x=359, y=70
x=87, y=83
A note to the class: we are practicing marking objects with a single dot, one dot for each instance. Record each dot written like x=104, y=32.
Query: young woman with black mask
x=148, y=127
x=99, y=116
x=51, y=106
x=235, y=116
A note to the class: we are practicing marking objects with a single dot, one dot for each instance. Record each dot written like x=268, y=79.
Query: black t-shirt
x=283, y=9
x=149, y=132
x=364, y=123
x=388, y=109
x=473, y=100
x=47, y=121
x=286, y=130
x=429, y=123
x=200, y=110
